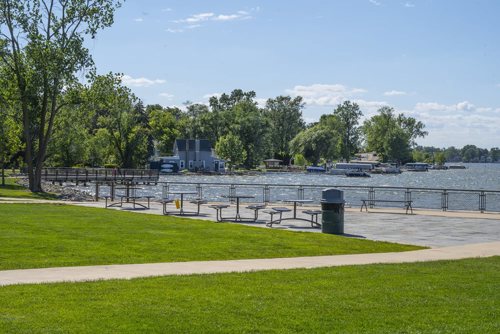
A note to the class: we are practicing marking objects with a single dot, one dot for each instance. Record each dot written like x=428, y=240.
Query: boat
x=457, y=167
x=315, y=169
x=342, y=168
x=356, y=173
x=417, y=167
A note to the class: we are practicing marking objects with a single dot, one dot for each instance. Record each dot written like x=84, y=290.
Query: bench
x=218, y=208
x=314, y=217
x=371, y=202
x=127, y=200
x=198, y=202
x=164, y=202
x=274, y=211
x=256, y=208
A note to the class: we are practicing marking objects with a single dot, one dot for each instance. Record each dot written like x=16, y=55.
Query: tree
x=163, y=126
x=42, y=46
x=348, y=115
x=10, y=138
x=285, y=120
x=315, y=143
x=391, y=136
x=230, y=148
x=439, y=158
x=118, y=115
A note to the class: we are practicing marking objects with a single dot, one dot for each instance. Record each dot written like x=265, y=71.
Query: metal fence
x=424, y=198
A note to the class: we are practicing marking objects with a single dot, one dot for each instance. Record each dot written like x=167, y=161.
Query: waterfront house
x=194, y=155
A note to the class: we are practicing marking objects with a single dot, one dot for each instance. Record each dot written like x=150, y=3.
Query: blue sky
x=437, y=61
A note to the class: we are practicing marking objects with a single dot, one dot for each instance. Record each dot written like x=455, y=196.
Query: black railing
x=424, y=198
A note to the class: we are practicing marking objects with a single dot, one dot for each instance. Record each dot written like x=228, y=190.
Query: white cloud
x=324, y=94
x=210, y=16
x=395, y=93
x=374, y=2
x=174, y=31
x=193, y=26
x=166, y=10
x=435, y=107
x=223, y=17
x=207, y=96
x=139, y=19
x=166, y=95
x=409, y=5
x=140, y=82
x=458, y=124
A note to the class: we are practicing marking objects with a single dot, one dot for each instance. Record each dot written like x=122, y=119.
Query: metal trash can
x=332, y=207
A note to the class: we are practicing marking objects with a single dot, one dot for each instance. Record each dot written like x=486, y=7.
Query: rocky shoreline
x=66, y=192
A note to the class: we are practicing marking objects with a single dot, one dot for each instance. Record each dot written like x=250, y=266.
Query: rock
x=66, y=192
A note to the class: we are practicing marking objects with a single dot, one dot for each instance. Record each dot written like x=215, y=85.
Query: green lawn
x=11, y=189
x=434, y=297
x=48, y=235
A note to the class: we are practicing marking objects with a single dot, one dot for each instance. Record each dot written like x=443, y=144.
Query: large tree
x=285, y=120
x=391, y=136
x=120, y=116
x=348, y=115
x=42, y=45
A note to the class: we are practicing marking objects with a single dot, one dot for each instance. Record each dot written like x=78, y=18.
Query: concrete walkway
x=129, y=271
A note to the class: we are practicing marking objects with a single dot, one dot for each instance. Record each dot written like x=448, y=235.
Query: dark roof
x=204, y=144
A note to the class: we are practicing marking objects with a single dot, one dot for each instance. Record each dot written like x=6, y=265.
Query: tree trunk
x=3, y=173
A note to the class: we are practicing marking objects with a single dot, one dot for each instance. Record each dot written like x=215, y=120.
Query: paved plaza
x=424, y=228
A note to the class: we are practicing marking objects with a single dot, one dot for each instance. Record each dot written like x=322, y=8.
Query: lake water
x=475, y=177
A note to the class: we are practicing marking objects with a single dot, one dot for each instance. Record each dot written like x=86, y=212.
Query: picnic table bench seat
x=256, y=208
x=198, y=202
x=218, y=208
x=314, y=217
x=273, y=211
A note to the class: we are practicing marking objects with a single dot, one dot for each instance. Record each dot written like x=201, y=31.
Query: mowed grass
x=434, y=297
x=50, y=235
x=12, y=189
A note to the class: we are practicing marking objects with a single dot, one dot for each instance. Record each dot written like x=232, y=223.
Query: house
x=191, y=154
x=273, y=163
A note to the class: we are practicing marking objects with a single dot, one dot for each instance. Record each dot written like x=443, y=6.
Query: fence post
x=482, y=202
x=300, y=193
x=97, y=191
x=444, y=200
x=371, y=197
x=199, y=189
x=266, y=194
x=232, y=192
x=408, y=194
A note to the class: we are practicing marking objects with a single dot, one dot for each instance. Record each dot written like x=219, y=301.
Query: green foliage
x=120, y=119
x=348, y=115
x=42, y=50
x=285, y=121
x=164, y=127
x=439, y=158
x=392, y=136
x=230, y=148
x=299, y=160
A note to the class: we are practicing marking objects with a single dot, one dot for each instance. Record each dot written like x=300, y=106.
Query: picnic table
x=181, y=209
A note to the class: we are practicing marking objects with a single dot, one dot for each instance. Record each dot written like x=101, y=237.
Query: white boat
x=167, y=166
x=417, y=167
x=342, y=168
